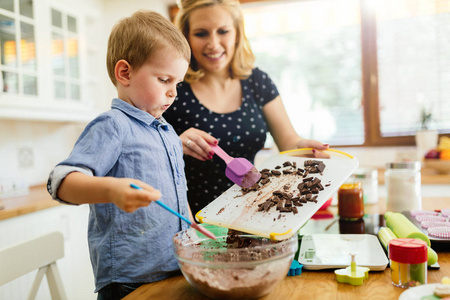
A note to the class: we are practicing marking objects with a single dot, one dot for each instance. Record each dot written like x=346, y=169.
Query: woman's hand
x=317, y=147
x=196, y=143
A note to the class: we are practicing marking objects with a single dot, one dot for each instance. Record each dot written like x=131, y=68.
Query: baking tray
x=236, y=210
x=413, y=220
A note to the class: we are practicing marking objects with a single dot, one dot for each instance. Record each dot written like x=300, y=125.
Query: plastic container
x=408, y=262
x=369, y=179
x=403, y=186
x=351, y=201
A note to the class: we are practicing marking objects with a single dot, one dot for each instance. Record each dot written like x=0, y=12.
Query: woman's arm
x=79, y=188
x=284, y=133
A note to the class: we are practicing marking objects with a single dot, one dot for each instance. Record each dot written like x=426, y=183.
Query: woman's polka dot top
x=241, y=133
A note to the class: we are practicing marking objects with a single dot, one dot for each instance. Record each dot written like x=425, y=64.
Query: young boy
x=130, y=238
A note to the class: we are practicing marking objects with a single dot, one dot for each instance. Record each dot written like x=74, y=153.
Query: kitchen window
x=18, y=50
x=65, y=56
x=356, y=72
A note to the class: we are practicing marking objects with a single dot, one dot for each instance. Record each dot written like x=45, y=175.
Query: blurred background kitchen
x=366, y=76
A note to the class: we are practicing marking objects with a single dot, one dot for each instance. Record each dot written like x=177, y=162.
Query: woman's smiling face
x=212, y=36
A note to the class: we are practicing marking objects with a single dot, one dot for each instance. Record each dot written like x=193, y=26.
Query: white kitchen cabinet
x=75, y=268
x=50, y=66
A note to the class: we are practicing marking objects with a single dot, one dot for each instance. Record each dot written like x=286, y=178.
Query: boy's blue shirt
x=127, y=142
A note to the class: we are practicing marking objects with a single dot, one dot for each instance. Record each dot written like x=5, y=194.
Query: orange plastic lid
x=408, y=251
x=351, y=186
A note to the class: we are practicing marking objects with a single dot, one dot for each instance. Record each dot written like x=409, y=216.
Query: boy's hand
x=129, y=199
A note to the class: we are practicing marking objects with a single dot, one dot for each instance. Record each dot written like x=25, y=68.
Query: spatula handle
x=222, y=154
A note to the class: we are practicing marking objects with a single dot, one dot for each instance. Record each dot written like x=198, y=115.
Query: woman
x=224, y=99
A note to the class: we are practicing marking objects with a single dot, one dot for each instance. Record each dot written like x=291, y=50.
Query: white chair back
x=37, y=254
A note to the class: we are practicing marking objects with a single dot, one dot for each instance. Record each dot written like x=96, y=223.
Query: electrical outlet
x=25, y=156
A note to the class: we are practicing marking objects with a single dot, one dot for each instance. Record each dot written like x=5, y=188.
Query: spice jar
x=369, y=180
x=408, y=262
x=351, y=201
x=403, y=186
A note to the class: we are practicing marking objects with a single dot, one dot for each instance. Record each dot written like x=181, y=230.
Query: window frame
x=369, y=80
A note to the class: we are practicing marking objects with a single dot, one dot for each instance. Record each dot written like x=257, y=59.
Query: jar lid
x=408, y=251
x=410, y=165
x=356, y=185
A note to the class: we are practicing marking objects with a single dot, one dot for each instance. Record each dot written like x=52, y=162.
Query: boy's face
x=153, y=87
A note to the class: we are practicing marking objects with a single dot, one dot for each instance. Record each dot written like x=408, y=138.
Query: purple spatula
x=239, y=170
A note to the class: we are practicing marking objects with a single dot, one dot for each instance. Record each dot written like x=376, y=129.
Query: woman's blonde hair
x=136, y=38
x=243, y=59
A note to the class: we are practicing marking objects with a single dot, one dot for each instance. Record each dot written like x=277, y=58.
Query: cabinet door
x=43, y=74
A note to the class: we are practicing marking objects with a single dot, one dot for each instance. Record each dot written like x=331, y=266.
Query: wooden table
x=315, y=284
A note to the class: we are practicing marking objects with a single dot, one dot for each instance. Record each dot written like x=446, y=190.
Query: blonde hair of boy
x=136, y=38
x=243, y=59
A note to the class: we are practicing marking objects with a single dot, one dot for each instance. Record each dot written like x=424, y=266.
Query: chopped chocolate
x=287, y=164
x=321, y=167
x=265, y=181
x=275, y=172
x=283, y=199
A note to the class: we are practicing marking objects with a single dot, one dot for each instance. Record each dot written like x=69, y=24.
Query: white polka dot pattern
x=241, y=133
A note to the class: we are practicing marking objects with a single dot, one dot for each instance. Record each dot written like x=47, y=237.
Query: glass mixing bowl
x=236, y=266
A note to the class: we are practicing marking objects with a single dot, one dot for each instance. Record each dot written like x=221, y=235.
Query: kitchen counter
x=36, y=200
x=316, y=284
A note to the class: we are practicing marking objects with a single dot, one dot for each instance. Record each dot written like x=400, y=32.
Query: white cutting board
x=236, y=211
x=332, y=251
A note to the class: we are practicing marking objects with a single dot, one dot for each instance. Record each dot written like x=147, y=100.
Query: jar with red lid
x=351, y=201
x=408, y=262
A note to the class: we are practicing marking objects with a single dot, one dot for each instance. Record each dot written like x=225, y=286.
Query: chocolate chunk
x=321, y=167
x=278, y=167
x=287, y=163
x=295, y=210
x=265, y=181
x=275, y=172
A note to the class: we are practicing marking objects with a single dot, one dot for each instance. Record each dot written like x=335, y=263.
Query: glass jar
x=351, y=201
x=369, y=180
x=403, y=192
x=408, y=262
